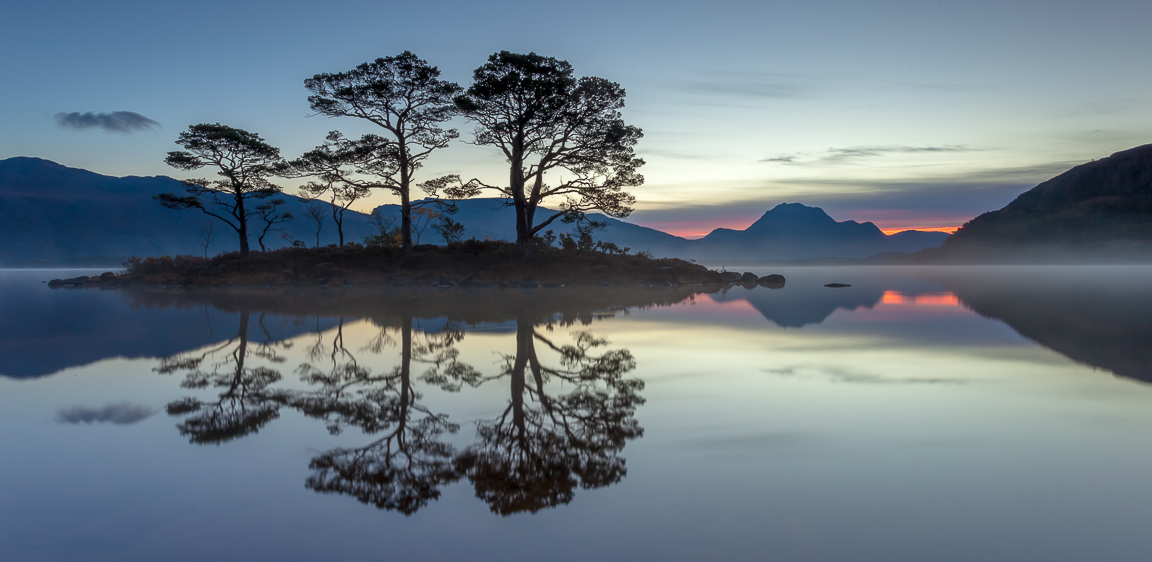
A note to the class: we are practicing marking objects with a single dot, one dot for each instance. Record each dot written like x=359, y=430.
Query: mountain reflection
x=570, y=406
x=1096, y=316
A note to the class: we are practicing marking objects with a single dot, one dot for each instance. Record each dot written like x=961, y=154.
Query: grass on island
x=470, y=262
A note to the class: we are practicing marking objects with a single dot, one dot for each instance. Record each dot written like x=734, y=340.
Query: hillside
x=50, y=212
x=790, y=231
x=1101, y=210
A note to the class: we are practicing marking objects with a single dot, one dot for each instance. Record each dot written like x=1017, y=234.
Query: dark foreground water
x=921, y=414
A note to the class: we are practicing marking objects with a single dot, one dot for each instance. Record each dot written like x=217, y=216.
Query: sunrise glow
x=923, y=299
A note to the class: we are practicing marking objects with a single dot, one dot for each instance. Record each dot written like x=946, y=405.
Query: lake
x=948, y=413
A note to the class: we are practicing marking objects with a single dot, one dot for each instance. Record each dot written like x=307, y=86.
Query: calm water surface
x=920, y=414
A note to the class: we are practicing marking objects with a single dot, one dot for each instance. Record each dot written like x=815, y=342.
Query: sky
x=907, y=114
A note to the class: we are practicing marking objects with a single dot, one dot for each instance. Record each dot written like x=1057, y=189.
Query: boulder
x=107, y=277
x=773, y=281
x=749, y=278
x=730, y=276
x=837, y=285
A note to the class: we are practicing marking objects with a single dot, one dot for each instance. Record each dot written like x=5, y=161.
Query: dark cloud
x=116, y=122
x=119, y=414
x=841, y=155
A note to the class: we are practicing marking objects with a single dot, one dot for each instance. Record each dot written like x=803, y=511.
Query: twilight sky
x=907, y=114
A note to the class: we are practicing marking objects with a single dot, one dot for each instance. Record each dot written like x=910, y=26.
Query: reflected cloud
x=117, y=414
x=839, y=375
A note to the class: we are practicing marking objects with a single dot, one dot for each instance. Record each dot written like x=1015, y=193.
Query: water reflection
x=404, y=467
x=570, y=405
x=247, y=401
x=1096, y=316
x=545, y=443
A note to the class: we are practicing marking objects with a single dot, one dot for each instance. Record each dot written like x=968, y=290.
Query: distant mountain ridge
x=53, y=213
x=789, y=231
x=1098, y=210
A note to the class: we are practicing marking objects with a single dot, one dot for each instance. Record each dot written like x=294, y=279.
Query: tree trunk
x=405, y=197
x=242, y=219
x=519, y=201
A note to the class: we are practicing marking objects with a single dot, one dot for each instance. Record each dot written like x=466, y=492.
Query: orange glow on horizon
x=948, y=229
x=926, y=299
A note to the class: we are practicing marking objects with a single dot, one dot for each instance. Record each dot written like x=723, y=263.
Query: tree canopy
x=405, y=96
x=244, y=161
x=553, y=127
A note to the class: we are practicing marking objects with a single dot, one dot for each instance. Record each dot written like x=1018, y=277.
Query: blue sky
x=903, y=113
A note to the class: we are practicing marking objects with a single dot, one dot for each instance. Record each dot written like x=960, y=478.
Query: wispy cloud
x=116, y=122
x=737, y=85
x=852, y=153
x=119, y=414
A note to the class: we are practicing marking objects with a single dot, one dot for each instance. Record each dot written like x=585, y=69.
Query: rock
x=730, y=276
x=749, y=278
x=529, y=282
x=107, y=277
x=56, y=283
x=773, y=281
x=837, y=285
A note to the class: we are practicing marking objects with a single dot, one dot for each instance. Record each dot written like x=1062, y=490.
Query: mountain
x=1101, y=210
x=50, y=212
x=54, y=214
x=790, y=231
x=491, y=219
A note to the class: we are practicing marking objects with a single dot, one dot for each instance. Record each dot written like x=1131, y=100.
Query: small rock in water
x=837, y=285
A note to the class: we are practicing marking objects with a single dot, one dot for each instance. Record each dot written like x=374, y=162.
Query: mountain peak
x=791, y=215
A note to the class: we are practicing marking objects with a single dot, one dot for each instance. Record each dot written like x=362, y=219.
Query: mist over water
x=932, y=413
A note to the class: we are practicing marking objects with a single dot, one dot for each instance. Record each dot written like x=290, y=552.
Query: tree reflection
x=405, y=466
x=246, y=403
x=570, y=412
x=543, y=445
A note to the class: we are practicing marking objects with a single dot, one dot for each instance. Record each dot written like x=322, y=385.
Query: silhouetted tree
x=341, y=167
x=246, y=403
x=554, y=128
x=314, y=210
x=405, y=96
x=451, y=230
x=245, y=162
x=206, y=235
x=542, y=446
x=269, y=213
